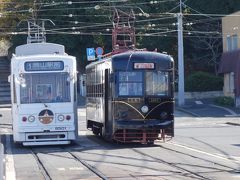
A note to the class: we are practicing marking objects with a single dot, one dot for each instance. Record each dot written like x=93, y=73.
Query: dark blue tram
x=130, y=97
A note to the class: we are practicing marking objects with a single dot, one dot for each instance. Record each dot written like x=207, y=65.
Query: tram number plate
x=60, y=128
x=144, y=66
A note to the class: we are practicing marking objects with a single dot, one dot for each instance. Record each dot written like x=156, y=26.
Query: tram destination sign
x=44, y=66
x=143, y=65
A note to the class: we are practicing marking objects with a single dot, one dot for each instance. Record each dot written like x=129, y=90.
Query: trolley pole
x=181, y=99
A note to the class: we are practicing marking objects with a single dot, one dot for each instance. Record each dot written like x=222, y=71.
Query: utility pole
x=181, y=99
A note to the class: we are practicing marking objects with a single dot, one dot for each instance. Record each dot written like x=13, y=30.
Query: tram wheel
x=150, y=142
x=96, y=130
x=102, y=132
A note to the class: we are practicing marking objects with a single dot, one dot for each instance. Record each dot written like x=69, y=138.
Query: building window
x=232, y=42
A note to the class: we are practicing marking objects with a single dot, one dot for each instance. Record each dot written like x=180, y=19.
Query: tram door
x=106, y=106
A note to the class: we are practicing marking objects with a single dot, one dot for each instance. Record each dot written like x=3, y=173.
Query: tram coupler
x=162, y=135
x=144, y=137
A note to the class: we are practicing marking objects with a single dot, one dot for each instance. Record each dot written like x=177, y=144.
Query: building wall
x=228, y=89
x=231, y=27
x=231, y=41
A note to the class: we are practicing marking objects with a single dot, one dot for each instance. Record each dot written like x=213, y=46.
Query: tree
x=83, y=24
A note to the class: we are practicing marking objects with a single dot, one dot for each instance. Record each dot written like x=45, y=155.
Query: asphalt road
x=203, y=148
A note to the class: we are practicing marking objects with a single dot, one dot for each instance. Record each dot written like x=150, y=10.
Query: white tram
x=43, y=93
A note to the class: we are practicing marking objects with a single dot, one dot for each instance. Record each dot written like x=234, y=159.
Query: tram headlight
x=31, y=118
x=60, y=117
x=144, y=109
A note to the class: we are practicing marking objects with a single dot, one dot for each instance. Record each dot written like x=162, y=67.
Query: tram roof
x=143, y=56
x=120, y=60
x=39, y=48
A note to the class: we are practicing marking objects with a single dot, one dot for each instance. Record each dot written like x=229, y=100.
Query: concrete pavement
x=207, y=108
x=195, y=107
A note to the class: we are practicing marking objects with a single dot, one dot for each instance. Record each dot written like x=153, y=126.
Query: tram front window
x=130, y=83
x=157, y=83
x=45, y=88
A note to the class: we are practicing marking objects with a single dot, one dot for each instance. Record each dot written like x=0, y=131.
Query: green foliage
x=224, y=101
x=202, y=81
x=201, y=50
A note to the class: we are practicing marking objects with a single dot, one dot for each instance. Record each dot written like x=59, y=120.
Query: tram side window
x=94, y=84
x=157, y=83
x=130, y=84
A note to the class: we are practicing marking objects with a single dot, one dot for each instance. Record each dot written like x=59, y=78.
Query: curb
x=224, y=108
x=1, y=161
x=188, y=112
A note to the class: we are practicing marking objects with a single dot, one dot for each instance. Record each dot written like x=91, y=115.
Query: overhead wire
x=172, y=15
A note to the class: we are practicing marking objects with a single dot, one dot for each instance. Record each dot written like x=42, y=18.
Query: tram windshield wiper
x=45, y=105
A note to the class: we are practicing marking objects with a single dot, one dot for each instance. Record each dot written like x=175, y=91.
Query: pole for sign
x=181, y=99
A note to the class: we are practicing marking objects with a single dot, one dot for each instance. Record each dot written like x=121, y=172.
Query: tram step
x=4, y=71
x=3, y=58
x=5, y=93
x=4, y=63
x=4, y=81
x=4, y=85
x=4, y=66
x=4, y=90
x=5, y=99
x=4, y=77
x=5, y=102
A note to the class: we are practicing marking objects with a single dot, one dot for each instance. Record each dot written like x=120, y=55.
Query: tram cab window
x=130, y=84
x=157, y=83
x=45, y=88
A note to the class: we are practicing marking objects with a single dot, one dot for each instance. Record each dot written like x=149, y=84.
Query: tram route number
x=60, y=128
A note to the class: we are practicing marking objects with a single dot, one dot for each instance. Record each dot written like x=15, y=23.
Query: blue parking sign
x=90, y=54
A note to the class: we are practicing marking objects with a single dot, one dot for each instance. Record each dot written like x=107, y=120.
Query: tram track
x=185, y=172
x=221, y=167
x=91, y=168
x=205, y=160
x=45, y=172
x=41, y=166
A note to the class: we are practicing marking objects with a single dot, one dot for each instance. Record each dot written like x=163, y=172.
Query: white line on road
x=61, y=169
x=71, y=169
x=10, y=170
x=76, y=168
x=198, y=102
x=203, y=152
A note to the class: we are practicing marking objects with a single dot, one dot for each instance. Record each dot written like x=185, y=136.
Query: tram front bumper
x=143, y=124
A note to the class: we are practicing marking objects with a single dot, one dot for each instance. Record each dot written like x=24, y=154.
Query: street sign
x=90, y=54
x=99, y=51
